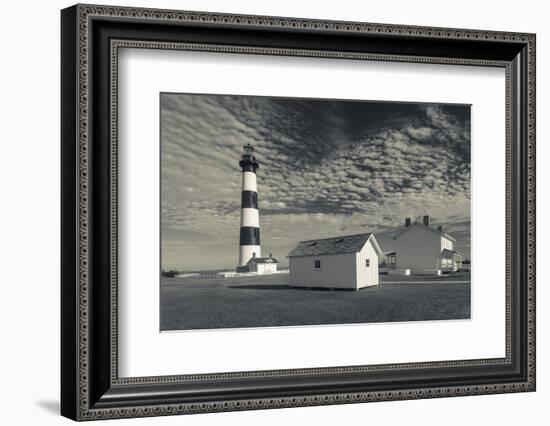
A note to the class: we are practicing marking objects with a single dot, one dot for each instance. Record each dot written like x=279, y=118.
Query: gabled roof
x=263, y=260
x=335, y=245
x=429, y=228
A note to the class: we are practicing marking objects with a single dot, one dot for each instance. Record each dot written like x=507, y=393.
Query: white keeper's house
x=346, y=262
x=424, y=249
x=261, y=265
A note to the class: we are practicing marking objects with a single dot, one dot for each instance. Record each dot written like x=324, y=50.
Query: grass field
x=268, y=301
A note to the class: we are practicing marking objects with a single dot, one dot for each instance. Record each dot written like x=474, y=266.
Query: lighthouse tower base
x=248, y=252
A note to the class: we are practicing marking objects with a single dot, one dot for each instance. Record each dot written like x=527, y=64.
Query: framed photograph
x=263, y=212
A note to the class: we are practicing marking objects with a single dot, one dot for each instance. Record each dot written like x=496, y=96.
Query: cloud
x=422, y=133
x=326, y=168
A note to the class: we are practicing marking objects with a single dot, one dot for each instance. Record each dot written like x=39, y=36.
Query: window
x=317, y=264
x=367, y=262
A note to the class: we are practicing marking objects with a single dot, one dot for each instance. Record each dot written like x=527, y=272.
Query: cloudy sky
x=327, y=168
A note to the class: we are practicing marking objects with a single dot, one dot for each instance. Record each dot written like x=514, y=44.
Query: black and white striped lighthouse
x=249, y=243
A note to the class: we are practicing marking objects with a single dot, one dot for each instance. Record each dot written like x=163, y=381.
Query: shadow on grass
x=265, y=287
x=288, y=287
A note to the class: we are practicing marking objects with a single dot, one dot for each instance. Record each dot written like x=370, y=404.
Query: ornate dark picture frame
x=91, y=36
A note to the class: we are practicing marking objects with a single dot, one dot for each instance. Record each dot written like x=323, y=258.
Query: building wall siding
x=367, y=276
x=266, y=268
x=446, y=244
x=417, y=249
x=337, y=271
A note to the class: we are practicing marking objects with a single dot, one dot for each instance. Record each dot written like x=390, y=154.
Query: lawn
x=268, y=301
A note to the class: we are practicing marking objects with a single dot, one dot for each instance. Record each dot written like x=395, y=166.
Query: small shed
x=346, y=262
x=262, y=265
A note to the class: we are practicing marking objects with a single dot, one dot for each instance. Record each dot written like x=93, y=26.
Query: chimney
x=270, y=255
x=440, y=228
x=426, y=220
x=253, y=255
x=407, y=222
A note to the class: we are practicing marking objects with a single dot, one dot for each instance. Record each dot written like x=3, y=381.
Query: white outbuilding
x=263, y=265
x=346, y=262
x=260, y=265
x=425, y=250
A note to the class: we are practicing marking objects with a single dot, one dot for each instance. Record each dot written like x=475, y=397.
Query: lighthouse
x=249, y=242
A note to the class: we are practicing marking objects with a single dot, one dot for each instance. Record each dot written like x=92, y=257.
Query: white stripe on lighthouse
x=250, y=217
x=249, y=181
x=247, y=252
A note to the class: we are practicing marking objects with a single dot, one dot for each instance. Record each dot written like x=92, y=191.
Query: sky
x=327, y=168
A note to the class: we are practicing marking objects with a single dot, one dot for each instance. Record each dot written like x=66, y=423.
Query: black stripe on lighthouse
x=249, y=200
x=250, y=236
x=248, y=166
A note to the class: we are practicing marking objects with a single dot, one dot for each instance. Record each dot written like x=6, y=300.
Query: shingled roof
x=429, y=228
x=334, y=245
x=263, y=260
